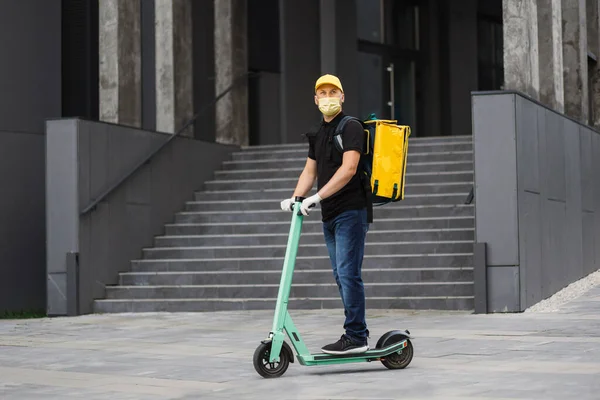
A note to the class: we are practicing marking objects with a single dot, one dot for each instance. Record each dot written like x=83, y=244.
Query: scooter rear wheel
x=265, y=368
x=395, y=360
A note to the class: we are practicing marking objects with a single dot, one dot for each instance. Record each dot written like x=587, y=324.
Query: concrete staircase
x=225, y=250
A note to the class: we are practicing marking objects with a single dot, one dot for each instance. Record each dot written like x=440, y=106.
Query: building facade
x=155, y=64
x=416, y=61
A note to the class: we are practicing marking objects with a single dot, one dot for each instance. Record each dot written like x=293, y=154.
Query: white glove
x=288, y=204
x=310, y=202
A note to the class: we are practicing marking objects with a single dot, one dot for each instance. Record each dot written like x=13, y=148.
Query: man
x=343, y=207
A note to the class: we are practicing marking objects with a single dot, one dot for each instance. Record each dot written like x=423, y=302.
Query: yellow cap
x=329, y=79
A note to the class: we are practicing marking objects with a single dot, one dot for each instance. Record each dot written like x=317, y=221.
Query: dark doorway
x=389, y=60
x=80, y=59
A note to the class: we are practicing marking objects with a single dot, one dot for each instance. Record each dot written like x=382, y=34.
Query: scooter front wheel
x=268, y=369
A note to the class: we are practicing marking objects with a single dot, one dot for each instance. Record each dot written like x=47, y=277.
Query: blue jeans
x=345, y=239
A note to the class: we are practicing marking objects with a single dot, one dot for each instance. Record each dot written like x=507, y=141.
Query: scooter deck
x=369, y=355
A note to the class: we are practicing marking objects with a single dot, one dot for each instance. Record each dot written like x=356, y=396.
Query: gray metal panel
x=62, y=204
x=589, y=238
x=138, y=190
x=559, y=229
x=526, y=115
x=480, y=278
x=130, y=218
x=84, y=145
x=555, y=157
x=530, y=249
x=139, y=223
x=92, y=267
x=596, y=168
x=553, y=220
x=117, y=225
x=160, y=198
x=588, y=175
x=57, y=293
x=496, y=177
x=72, y=287
x=573, y=267
x=543, y=158
x=98, y=160
x=503, y=289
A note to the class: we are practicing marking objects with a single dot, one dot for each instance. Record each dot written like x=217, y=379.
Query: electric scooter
x=273, y=356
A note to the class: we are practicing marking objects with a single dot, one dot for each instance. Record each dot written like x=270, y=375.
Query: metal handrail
x=111, y=189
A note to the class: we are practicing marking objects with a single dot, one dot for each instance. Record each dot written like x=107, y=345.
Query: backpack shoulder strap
x=337, y=138
x=340, y=127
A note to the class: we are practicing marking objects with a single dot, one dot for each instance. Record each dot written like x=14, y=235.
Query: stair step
x=416, y=260
x=389, y=211
x=306, y=249
x=437, y=162
x=300, y=276
x=297, y=290
x=412, y=143
x=412, y=140
x=282, y=158
x=267, y=239
x=421, y=148
x=293, y=169
x=290, y=182
x=286, y=192
x=199, y=305
x=315, y=225
x=269, y=204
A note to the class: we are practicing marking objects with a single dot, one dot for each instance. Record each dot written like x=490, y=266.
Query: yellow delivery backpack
x=383, y=162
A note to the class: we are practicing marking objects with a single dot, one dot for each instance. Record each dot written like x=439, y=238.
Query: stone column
x=521, y=62
x=593, y=23
x=549, y=14
x=231, y=63
x=575, y=59
x=120, y=62
x=174, y=77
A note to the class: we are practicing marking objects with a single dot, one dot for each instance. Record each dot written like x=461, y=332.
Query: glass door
x=388, y=59
x=387, y=87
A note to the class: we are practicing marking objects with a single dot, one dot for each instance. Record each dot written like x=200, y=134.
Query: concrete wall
x=29, y=38
x=537, y=198
x=84, y=159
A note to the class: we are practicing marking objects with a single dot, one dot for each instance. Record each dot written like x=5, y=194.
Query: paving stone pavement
x=209, y=356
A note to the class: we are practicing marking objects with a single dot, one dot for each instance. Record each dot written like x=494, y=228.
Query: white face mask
x=329, y=105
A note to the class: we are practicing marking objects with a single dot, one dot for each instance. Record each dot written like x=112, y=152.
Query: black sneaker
x=345, y=346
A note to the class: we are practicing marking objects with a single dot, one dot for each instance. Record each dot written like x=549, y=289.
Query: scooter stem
x=287, y=272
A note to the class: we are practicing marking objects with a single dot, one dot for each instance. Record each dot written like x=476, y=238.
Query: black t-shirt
x=329, y=159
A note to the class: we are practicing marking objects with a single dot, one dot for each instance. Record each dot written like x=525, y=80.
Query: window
x=369, y=14
x=393, y=23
